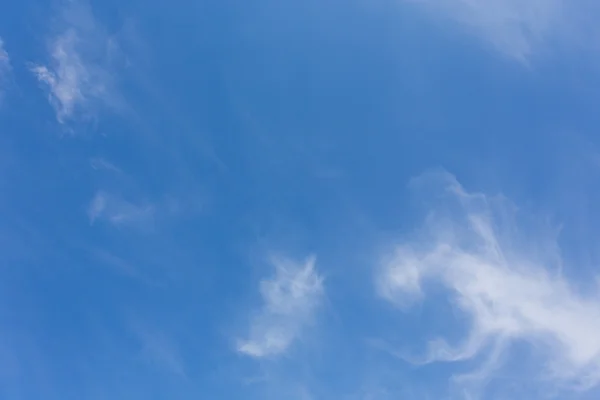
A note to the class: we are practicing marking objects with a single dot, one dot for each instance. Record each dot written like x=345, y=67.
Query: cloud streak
x=120, y=212
x=78, y=77
x=507, y=282
x=160, y=350
x=290, y=299
x=516, y=28
x=4, y=67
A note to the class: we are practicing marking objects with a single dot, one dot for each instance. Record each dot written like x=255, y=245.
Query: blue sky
x=349, y=200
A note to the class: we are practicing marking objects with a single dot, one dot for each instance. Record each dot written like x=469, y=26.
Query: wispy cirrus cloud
x=119, y=212
x=508, y=283
x=99, y=163
x=121, y=202
x=79, y=75
x=139, y=212
x=516, y=28
x=4, y=67
x=290, y=299
x=159, y=349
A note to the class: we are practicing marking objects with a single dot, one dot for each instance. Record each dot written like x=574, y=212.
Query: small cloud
x=158, y=349
x=119, y=212
x=78, y=76
x=117, y=263
x=506, y=279
x=4, y=60
x=4, y=66
x=515, y=28
x=137, y=212
x=99, y=163
x=290, y=299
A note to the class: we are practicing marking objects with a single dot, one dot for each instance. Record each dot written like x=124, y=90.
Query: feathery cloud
x=515, y=28
x=290, y=299
x=160, y=350
x=99, y=163
x=78, y=77
x=507, y=282
x=4, y=66
x=120, y=212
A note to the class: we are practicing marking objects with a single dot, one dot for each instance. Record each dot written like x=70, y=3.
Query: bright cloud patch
x=506, y=281
x=78, y=76
x=290, y=300
x=513, y=27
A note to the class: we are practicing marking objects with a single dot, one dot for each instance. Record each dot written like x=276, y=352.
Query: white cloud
x=120, y=212
x=79, y=77
x=290, y=299
x=4, y=60
x=4, y=66
x=515, y=27
x=99, y=163
x=508, y=282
